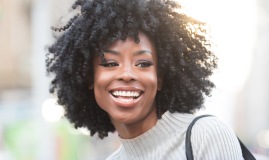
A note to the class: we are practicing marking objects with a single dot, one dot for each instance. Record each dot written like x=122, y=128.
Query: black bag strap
x=188, y=145
x=189, y=154
x=245, y=152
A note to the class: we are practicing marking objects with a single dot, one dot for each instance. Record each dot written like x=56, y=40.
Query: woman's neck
x=132, y=130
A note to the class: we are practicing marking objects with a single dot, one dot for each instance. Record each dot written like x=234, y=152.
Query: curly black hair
x=185, y=60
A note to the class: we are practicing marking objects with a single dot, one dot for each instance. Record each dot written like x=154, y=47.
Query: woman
x=141, y=68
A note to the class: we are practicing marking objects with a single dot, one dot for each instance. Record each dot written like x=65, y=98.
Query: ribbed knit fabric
x=211, y=140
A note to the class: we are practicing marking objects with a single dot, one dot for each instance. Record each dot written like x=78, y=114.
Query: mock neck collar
x=169, y=124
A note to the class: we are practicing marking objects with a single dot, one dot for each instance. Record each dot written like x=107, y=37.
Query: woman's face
x=125, y=84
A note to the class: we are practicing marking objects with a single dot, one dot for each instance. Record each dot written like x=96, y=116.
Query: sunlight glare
x=233, y=32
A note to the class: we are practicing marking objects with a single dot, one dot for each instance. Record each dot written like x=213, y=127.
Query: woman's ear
x=160, y=83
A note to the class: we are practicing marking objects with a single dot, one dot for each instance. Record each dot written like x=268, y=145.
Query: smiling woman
x=127, y=80
x=142, y=69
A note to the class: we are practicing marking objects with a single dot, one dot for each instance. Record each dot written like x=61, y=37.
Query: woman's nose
x=127, y=73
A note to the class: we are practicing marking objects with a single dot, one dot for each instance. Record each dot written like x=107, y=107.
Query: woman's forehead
x=141, y=39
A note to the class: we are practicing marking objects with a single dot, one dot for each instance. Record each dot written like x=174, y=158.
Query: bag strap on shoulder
x=189, y=154
x=188, y=145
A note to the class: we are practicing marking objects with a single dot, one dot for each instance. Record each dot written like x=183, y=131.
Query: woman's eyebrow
x=110, y=51
x=142, y=52
x=136, y=53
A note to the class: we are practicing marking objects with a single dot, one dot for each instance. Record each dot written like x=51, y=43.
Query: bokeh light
x=52, y=112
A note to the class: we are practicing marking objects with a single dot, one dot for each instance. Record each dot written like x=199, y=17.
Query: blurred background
x=32, y=126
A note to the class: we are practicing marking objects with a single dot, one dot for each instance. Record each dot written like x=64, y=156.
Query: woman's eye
x=143, y=64
x=109, y=64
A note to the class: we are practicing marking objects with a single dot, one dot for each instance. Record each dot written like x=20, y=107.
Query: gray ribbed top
x=211, y=140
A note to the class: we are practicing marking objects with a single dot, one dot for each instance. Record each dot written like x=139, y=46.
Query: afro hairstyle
x=185, y=60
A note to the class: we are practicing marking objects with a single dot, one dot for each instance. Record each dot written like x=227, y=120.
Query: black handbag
x=245, y=152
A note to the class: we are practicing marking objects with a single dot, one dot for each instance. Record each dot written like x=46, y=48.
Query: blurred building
x=255, y=95
x=15, y=44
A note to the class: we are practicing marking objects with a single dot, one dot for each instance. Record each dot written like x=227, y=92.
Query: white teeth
x=126, y=93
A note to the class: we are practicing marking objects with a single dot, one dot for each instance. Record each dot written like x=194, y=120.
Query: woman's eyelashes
x=109, y=64
x=140, y=64
x=144, y=63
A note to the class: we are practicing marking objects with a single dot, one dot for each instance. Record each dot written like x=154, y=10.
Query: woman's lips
x=126, y=98
x=126, y=94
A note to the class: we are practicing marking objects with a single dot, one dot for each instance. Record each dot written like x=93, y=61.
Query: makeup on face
x=126, y=82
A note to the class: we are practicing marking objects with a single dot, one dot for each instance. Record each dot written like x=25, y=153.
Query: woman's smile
x=127, y=97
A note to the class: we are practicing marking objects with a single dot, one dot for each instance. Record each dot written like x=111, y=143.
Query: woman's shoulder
x=212, y=124
x=115, y=155
x=212, y=128
x=211, y=137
